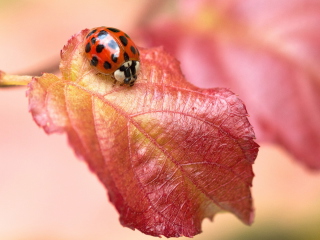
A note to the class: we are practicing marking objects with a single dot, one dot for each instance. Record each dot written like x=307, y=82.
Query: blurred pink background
x=47, y=193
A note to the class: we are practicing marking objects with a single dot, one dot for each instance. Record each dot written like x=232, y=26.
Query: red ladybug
x=112, y=51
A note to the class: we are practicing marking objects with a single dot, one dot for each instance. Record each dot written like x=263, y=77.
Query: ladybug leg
x=114, y=82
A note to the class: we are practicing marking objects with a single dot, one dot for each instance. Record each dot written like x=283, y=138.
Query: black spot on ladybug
x=102, y=34
x=94, y=61
x=133, y=68
x=133, y=50
x=114, y=58
x=90, y=33
x=99, y=48
x=126, y=57
x=93, y=40
x=123, y=40
x=114, y=30
x=88, y=47
x=113, y=44
x=126, y=71
x=107, y=65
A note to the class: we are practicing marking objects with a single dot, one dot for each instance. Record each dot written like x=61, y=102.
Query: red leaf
x=170, y=154
x=268, y=52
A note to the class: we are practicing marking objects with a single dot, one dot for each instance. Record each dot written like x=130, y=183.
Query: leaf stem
x=13, y=80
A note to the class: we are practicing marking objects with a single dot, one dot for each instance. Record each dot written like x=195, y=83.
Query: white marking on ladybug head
x=127, y=64
x=119, y=75
x=137, y=67
x=127, y=73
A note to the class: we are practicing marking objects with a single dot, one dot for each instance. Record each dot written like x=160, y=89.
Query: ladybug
x=112, y=52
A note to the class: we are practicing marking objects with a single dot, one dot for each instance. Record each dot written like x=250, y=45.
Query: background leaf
x=268, y=52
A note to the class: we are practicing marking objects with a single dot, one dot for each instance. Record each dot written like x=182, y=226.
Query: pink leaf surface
x=268, y=52
x=170, y=154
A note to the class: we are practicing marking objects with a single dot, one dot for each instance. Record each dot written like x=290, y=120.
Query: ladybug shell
x=108, y=49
